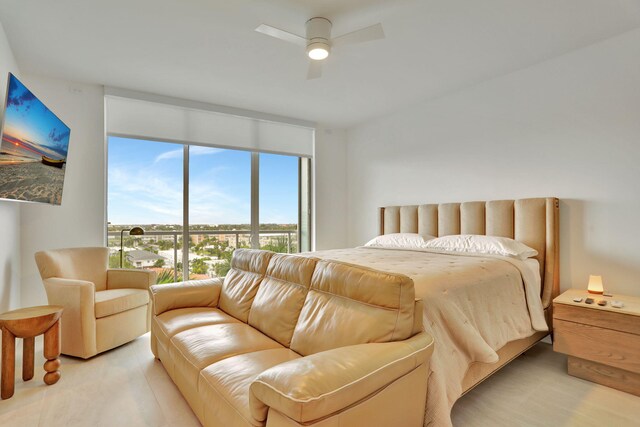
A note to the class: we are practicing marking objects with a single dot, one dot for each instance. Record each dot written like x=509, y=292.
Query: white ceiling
x=207, y=50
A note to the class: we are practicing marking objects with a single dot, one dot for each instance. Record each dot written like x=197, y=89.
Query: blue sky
x=145, y=185
x=30, y=128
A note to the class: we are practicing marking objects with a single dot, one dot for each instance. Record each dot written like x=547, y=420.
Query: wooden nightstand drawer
x=606, y=346
x=597, y=317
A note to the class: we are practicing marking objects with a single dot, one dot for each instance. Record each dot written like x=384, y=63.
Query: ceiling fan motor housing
x=318, y=34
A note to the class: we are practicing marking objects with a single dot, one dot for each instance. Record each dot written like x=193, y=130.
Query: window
x=219, y=208
x=279, y=207
x=145, y=190
x=214, y=199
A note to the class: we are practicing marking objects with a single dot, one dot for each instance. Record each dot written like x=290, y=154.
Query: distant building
x=196, y=239
x=142, y=259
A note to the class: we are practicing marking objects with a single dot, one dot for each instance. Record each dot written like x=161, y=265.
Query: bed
x=482, y=310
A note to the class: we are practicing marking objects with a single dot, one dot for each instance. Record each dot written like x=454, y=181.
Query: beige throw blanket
x=472, y=307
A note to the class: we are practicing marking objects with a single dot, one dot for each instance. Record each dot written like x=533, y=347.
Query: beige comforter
x=472, y=307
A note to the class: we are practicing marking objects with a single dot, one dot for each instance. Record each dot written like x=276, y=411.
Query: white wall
x=9, y=211
x=568, y=127
x=80, y=220
x=330, y=188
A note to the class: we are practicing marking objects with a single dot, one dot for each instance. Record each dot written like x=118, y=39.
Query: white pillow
x=491, y=245
x=399, y=240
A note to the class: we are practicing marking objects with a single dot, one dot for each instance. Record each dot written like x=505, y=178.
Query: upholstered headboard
x=533, y=222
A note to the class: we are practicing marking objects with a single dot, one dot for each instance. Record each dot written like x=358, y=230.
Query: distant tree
x=198, y=266
x=159, y=263
x=222, y=268
x=164, y=245
x=114, y=261
x=277, y=244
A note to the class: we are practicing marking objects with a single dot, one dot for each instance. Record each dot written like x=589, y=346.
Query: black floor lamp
x=135, y=231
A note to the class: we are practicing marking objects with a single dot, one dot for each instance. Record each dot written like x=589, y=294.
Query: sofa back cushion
x=348, y=305
x=282, y=293
x=241, y=284
x=89, y=264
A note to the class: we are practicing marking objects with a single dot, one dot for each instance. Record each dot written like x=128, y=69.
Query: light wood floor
x=127, y=387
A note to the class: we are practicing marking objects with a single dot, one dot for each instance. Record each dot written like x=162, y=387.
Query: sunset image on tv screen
x=33, y=153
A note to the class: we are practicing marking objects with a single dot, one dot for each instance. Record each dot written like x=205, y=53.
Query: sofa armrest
x=325, y=383
x=78, y=318
x=119, y=278
x=194, y=293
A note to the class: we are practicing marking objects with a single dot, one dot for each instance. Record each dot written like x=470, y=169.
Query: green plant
x=166, y=276
x=222, y=268
x=198, y=266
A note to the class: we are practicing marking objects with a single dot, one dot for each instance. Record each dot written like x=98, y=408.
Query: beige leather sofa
x=103, y=308
x=292, y=341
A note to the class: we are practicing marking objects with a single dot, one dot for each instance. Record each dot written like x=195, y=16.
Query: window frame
x=255, y=194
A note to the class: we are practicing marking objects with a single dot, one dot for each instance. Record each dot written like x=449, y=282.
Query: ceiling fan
x=318, y=41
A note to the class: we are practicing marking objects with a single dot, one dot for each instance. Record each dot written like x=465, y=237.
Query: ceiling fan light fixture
x=318, y=40
x=318, y=51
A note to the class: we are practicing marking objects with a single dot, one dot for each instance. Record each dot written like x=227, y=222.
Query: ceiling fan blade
x=315, y=70
x=373, y=32
x=281, y=34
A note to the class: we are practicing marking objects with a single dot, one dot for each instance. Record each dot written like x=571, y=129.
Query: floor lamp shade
x=135, y=231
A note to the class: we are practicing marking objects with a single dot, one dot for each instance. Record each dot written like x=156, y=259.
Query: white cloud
x=194, y=150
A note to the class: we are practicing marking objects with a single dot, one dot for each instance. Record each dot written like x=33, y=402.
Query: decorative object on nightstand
x=602, y=342
x=27, y=323
x=595, y=285
x=135, y=231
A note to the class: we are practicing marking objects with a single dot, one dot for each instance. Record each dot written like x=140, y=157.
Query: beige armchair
x=103, y=308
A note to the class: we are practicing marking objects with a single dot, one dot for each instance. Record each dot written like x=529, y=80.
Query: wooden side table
x=27, y=323
x=602, y=343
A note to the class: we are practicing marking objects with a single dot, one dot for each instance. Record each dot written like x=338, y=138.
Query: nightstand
x=603, y=343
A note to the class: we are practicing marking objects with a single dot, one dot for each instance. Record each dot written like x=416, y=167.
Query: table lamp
x=135, y=231
x=595, y=285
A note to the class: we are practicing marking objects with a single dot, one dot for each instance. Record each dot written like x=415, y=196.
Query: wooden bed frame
x=534, y=222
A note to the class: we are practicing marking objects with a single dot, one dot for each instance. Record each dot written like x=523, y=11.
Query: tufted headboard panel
x=533, y=222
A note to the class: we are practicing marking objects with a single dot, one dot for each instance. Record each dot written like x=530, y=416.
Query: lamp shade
x=136, y=231
x=595, y=285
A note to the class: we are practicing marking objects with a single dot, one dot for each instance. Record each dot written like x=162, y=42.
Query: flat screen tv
x=33, y=152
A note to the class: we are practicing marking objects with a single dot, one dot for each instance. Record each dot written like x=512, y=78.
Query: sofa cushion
x=224, y=386
x=171, y=322
x=242, y=281
x=113, y=301
x=379, y=305
x=277, y=304
x=196, y=348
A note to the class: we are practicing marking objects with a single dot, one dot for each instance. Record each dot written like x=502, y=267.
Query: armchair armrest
x=324, y=383
x=194, y=293
x=119, y=278
x=78, y=318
